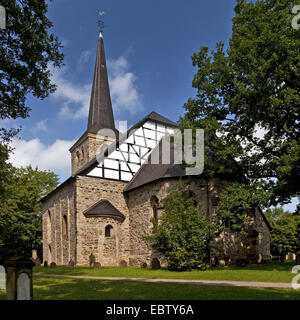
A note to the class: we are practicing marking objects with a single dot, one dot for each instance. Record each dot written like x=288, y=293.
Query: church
x=106, y=206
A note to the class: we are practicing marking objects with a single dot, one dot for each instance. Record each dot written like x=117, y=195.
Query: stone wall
x=84, y=150
x=59, y=247
x=141, y=212
x=91, y=230
x=263, y=243
x=228, y=247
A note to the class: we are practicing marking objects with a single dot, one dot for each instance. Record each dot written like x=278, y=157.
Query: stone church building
x=105, y=207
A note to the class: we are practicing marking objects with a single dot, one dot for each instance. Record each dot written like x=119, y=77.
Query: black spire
x=101, y=113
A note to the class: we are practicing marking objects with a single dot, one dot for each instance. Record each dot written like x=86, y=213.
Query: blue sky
x=148, y=47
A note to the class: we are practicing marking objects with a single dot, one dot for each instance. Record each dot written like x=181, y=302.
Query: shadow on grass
x=83, y=289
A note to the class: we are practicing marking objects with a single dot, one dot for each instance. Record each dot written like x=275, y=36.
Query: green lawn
x=268, y=272
x=82, y=289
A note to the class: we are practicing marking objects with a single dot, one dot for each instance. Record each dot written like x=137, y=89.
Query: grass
x=85, y=289
x=268, y=272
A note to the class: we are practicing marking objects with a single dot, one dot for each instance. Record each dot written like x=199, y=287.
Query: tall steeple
x=100, y=116
x=100, y=113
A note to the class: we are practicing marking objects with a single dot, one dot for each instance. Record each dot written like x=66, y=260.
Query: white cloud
x=75, y=97
x=84, y=57
x=55, y=157
x=41, y=126
x=124, y=92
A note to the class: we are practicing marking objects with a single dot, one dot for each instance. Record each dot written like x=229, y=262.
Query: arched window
x=108, y=231
x=82, y=152
x=154, y=205
x=48, y=227
x=65, y=226
x=78, y=155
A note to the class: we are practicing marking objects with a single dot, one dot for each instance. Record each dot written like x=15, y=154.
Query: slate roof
x=152, y=172
x=104, y=208
x=100, y=112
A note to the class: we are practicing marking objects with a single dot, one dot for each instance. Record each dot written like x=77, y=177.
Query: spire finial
x=101, y=22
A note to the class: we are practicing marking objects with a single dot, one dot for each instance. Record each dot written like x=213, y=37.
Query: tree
x=183, y=235
x=248, y=98
x=20, y=216
x=284, y=233
x=236, y=200
x=27, y=47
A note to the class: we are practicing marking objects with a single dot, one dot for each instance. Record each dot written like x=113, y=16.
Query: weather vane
x=100, y=21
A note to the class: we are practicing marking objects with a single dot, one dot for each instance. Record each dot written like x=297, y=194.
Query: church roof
x=122, y=137
x=100, y=113
x=104, y=208
x=152, y=172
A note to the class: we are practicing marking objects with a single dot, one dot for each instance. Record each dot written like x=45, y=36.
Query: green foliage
x=235, y=201
x=20, y=215
x=285, y=231
x=183, y=235
x=27, y=47
x=248, y=99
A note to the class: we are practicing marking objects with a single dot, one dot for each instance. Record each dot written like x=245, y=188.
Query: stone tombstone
x=123, y=264
x=38, y=262
x=2, y=278
x=92, y=260
x=23, y=287
x=155, y=264
x=214, y=261
x=242, y=262
x=144, y=265
x=71, y=263
x=45, y=264
x=97, y=265
x=52, y=265
x=34, y=255
x=19, y=278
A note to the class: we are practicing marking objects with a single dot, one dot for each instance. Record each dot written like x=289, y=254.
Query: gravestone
x=214, y=261
x=92, y=260
x=71, y=263
x=19, y=279
x=37, y=262
x=123, y=264
x=2, y=278
x=155, y=264
x=23, y=287
x=97, y=265
x=241, y=262
x=45, y=264
x=52, y=265
x=144, y=265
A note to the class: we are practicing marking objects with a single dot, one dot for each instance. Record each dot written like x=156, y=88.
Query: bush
x=183, y=235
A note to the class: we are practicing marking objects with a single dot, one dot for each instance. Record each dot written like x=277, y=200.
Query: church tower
x=100, y=116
